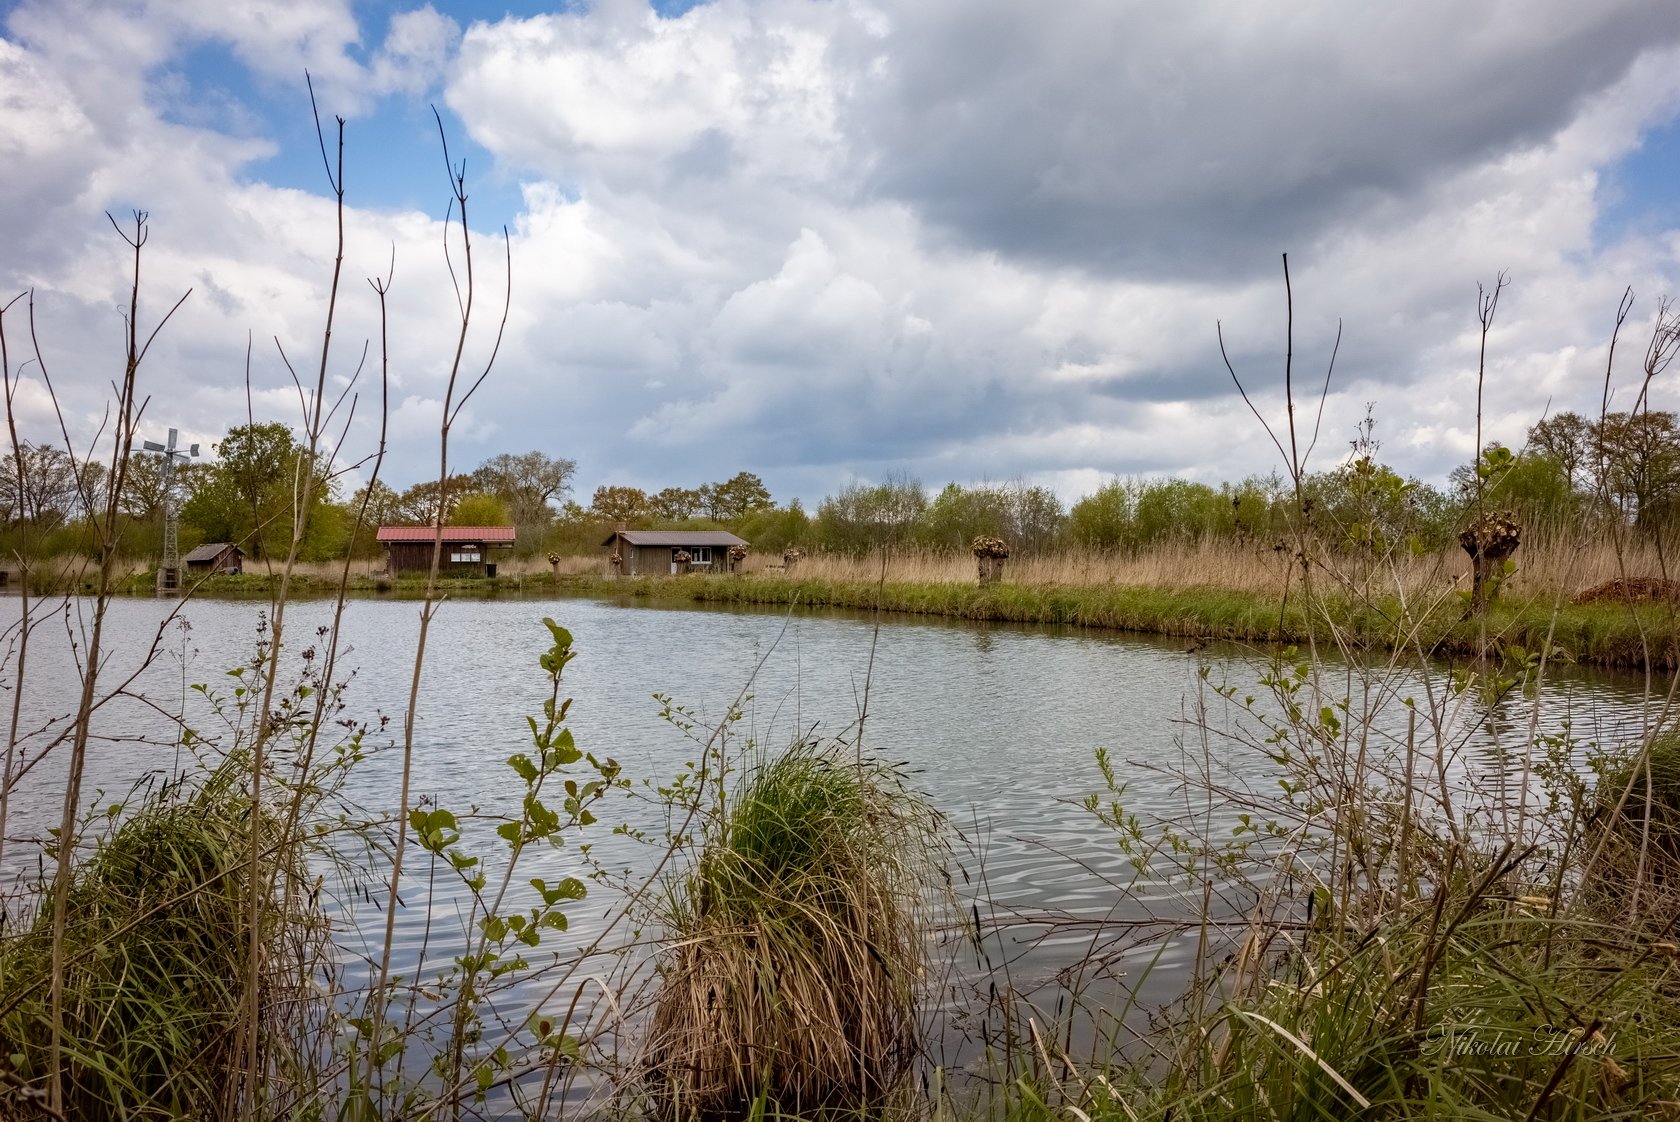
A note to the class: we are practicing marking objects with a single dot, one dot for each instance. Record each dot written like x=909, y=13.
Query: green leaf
x=566, y=747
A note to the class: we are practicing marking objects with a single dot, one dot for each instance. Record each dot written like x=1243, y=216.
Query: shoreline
x=1605, y=634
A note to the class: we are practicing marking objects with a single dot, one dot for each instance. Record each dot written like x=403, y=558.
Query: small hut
x=466, y=549
x=216, y=557
x=654, y=552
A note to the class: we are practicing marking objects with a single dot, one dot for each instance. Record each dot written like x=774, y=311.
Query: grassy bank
x=1605, y=634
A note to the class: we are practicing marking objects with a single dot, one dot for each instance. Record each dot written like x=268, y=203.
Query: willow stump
x=683, y=559
x=989, y=555
x=737, y=554
x=554, y=565
x=1490, y=540
x=791, y=557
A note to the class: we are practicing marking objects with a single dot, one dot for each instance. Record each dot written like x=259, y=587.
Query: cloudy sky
x=833, y=239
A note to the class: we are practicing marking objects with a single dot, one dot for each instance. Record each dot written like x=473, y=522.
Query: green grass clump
x=1510, y=1014
x=1633, y=836
x=156, y=951
x=797, y=945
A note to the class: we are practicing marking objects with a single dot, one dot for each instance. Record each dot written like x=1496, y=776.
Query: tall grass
x=1556, y=564
x=154, y=964
x=796, y=944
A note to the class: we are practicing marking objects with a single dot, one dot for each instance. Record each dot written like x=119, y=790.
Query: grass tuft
x=796, y=945
x=156, y=953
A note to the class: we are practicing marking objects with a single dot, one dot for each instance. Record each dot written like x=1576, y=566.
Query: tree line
x=1622, y=468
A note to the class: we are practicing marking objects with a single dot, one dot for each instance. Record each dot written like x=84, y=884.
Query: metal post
x=169, y=570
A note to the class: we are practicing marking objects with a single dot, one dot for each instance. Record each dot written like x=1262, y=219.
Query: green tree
x=619, y=504
x=1180, y=509
x=957, y=515
x=382, y=502
x=674, y=504
x=1362, y=505
x=862, y=516
x=772, y=530
x=362, y=540
x=1036, y=518
x=1259, y=506
x=1102, y=519
x=480, y=509
x=1535, y=485
x=250, y=492
x=737, y=497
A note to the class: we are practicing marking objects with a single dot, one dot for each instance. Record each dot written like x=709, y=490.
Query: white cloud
x=416, y=50
x=811, y=239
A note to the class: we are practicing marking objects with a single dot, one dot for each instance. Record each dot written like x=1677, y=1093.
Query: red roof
x=486, y=534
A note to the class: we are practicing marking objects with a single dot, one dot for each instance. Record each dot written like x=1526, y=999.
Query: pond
x=997, y=725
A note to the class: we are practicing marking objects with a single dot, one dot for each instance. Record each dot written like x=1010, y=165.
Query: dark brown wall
x=655, y=560
x=227, y=559
x=416, y=557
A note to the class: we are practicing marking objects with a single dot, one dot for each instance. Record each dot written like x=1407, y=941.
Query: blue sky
x=1641, y=191
x=828, y=240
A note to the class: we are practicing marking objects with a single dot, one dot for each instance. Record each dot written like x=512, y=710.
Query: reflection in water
x=998, y=726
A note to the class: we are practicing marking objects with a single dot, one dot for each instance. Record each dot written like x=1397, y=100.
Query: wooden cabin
x=468, y=551
x=216, y=557
x=654, y=552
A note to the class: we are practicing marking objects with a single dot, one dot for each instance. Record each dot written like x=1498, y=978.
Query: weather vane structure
x=169, y=569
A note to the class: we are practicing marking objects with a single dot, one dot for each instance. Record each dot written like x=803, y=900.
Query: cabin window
x=467, y=556
x=702, y=554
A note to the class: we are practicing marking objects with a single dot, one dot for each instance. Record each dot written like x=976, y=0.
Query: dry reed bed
x=1556, y=567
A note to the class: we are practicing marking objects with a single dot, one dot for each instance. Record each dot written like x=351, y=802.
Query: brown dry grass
x=797, y=950
x=1550, y=568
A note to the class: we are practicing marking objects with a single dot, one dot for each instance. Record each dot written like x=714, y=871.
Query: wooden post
x=1489, y=541
x=989, y=555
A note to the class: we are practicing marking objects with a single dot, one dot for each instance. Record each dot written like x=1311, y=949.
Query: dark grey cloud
x=1167, y=140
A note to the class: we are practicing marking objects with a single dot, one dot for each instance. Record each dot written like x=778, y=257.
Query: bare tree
x=529, y=483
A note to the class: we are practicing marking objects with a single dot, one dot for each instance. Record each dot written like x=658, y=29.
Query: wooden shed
x=654, y=552
x=467, y=550
x=216, y=557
